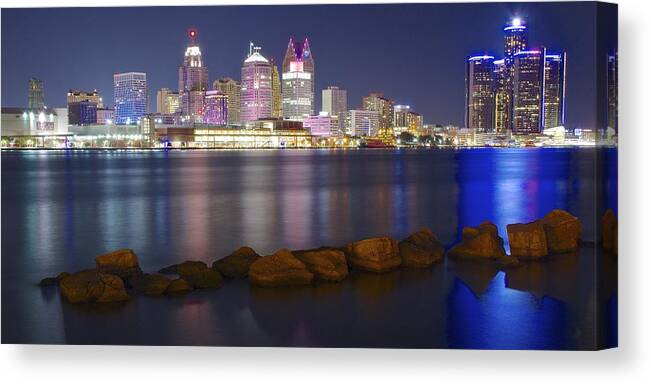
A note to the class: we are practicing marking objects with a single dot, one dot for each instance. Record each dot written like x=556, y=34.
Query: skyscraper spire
x=290, y=55
x=298, y=81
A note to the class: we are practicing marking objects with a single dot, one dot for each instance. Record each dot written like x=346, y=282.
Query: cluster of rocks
x=117, y=274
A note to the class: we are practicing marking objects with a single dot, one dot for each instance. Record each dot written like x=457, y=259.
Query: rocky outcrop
x=50, y=281
x=327, y=264
x=609, y=231
x=178, y=286
x=150, y=284
x=199, y=275
x=421, y=249
x=563, y=231
x=122, y=262
x=91, y=286
x=237, y=264
x=481, y=242
x=527, y=241
x=379, y=254
x=280, y=269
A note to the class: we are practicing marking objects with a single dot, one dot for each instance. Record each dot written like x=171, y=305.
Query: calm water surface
x=61, y=209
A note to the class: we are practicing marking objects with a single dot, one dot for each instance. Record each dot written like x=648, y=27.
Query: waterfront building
x=76, y=95
x=215, y=108
x=298, y=81
x=376, y=101
x=18, y=122
x=528, y=91
x=480, y=98
x=167, y=101
x=256, y=98
x=193, y=80
x=322, y=125
x=362, y=122
x=35, y=94
x=82, y=112
x=406, y=120
x=277, y=96
x=105, y=116
x=612, y=82
x=554, y=91
x=130, y=97
x=502, y=111
x=232, y=90
x=334, y=101
x=516, y=39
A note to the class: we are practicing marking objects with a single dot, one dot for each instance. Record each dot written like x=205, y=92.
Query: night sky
x=414, y=54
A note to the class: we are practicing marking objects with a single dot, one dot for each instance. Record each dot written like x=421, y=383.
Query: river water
x=60, y=209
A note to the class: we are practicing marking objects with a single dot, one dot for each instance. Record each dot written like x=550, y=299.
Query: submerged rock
x=236, y=264
x=481, y=242
x=527, y=241
x=199, y=275
x=379, y=254
x=50, y=281
x=325, y=263
x=178, y=286
x=150, y=284
x=281, y=268
x=91, y=286
x=122, y=262
x=609, y=231
x=421, y=249
x=563, y=231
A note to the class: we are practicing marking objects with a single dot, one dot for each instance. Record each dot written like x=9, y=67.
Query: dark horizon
x=413, y=53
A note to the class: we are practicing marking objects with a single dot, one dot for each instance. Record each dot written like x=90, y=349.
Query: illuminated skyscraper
x=362, y=123
x=215, y=108
x=612, y=82
x=554, y=92
x=298, y=81
x=406, y=120
x=277, y=97
x=257, y=94
x=502, y=113
x=167, y=102
x=35, y=98
x=193, y=80
x=76, y=95
x=480, y=98
x=335, y=101
x=232, y=90
x=130, y=97
x=384, y=107
x=515, y=40
x=528, y=91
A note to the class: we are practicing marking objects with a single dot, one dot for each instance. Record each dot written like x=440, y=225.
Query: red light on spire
x=193, y=33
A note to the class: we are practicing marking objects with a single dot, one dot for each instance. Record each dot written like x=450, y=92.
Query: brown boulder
x=178, y=286
x=199, y=275
x=281, y=268
x=91, y=286
x=236, y=264
x=49, y=281
x=481, y=242
x=150, y=284
x=122, y=262
x=379, y=254
x=421, y=249
x=609, y=231
x=527, y=241
x=325, y=263
x=563, y=231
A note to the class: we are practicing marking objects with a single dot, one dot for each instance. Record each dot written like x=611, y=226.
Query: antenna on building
x=250, y=48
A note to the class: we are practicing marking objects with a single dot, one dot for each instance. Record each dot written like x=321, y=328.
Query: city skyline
x=439, y=96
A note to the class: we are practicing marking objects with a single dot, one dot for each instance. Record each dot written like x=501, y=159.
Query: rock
x=122, y=262
x=150, y=284
x=481, y=242
x=281, y=268
x=508, y=262
x=325, y=263
x=178, y=286
x=169, y=270
x=421, y=249
x=527, y=241
x=609, y=231
x=236, y=264
x=49, y=281
x=199, y=275
x=91, y=286
x=563, y=231
x=379, y=254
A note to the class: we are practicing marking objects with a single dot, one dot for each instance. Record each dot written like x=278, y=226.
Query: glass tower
x=554, y=97
x=298, y=81
x=480, y=99
x=130, y=97
x=612, y=91
x=256, y=98
x=232, y=90
x=528, y=91
x=35, y=98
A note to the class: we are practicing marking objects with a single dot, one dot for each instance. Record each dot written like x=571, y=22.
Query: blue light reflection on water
x=60, y=209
